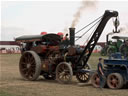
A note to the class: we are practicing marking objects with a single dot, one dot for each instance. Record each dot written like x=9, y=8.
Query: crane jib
x=95, y=37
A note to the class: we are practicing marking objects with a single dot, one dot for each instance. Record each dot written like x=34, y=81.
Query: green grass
x=94, y=59
x=3, y=93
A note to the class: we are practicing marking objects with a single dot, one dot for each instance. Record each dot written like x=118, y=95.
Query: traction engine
x=54, y=58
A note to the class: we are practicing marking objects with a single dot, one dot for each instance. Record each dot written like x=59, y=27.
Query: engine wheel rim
x=63, y=73
x=27, y=66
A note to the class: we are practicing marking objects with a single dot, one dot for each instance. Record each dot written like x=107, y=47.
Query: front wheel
x=83, y=77
x=64, y=72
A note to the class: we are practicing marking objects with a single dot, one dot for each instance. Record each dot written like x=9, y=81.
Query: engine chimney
x=72, y=36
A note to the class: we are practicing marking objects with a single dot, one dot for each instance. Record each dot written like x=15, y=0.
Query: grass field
x=12, y=84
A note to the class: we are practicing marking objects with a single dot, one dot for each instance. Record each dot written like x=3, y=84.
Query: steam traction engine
x=50, y=56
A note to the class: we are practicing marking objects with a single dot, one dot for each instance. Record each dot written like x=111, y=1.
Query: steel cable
x=88, y=30
x=89, y=24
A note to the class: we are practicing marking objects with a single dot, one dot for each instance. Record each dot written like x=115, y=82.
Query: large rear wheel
x=30, y=65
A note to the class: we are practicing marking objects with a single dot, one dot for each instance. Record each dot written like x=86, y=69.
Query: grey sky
x=32, y=17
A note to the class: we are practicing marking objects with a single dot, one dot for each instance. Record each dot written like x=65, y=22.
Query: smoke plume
x=124, y=28
x=84, y=5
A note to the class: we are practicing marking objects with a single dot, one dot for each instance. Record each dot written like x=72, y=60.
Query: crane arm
x=95, y=37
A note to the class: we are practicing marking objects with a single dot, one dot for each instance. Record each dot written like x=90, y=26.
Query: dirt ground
x=12, y=84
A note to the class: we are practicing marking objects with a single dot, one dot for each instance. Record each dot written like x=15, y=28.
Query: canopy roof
x=31, y=38
x=120, y=37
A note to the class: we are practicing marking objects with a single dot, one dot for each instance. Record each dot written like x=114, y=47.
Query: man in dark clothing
x=100, y=72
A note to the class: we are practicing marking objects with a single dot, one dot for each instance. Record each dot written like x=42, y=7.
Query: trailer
x=115, y=70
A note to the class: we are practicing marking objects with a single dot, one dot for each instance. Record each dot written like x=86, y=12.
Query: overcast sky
x=32, y=17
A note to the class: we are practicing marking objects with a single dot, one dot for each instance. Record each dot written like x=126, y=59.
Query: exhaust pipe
x=72, y=36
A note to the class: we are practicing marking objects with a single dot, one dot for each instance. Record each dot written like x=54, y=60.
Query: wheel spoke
x=23, y=63
x=60, y=70
x=24, y=69
x=25, y=59
x=85, y=77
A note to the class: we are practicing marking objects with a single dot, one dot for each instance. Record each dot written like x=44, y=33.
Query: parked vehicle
x=116, y=72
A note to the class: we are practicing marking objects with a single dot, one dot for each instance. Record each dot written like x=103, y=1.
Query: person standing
x=101, y=72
